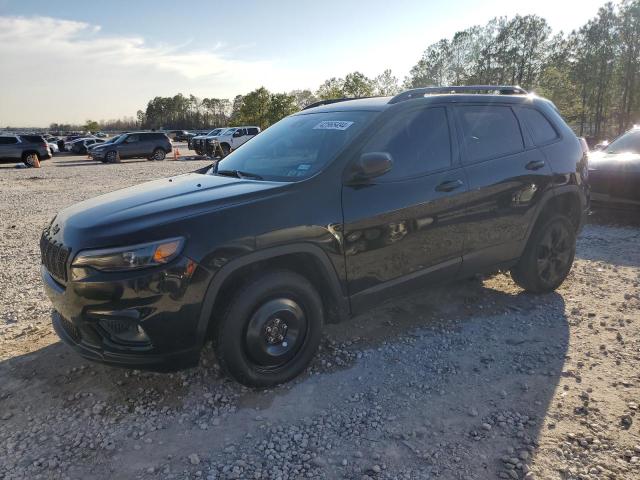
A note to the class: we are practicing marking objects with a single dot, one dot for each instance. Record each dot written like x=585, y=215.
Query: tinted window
x=489, y=132
x=541, y=130
x=33, y=138
x=132, y=138
x=8, y=140
x=253, y=131
x=418, y=142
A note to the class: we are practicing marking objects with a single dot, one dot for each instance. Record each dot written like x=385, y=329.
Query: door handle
x=535, y=165
x=449, y=185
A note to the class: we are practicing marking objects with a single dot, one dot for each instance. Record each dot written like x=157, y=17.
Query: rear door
x=405, y=224
x=507, y=177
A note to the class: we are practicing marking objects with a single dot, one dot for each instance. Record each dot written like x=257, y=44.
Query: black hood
x=99, y=221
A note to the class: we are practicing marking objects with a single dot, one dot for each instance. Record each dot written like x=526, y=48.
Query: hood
x=622, y=162
x=98, y=221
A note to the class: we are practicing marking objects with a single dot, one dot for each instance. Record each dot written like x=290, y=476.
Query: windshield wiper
x=238, y=174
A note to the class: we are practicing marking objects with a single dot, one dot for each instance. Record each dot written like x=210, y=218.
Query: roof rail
x=421, y=92
x=326, y=102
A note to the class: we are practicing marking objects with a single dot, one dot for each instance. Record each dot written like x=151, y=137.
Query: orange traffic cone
x=176, y=154
x=36, y=161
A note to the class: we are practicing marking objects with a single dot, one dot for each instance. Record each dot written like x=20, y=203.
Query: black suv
x=327, y=212
x=24, y=148
x=151, y=145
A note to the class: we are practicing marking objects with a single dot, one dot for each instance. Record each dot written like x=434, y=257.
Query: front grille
x=54, y=256
x=71, y=329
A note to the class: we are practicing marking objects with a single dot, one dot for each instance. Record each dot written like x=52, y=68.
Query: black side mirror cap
x=370, y=165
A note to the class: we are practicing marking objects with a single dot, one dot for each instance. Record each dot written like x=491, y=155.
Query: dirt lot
x=475, y=380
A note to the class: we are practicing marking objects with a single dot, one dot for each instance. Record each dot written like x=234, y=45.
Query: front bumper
x=96, y=315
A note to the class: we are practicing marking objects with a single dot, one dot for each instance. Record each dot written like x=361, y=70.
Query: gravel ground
x=475, y=380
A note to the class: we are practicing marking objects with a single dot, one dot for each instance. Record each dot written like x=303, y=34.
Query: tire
x=29, y=159
x=111, y=157
x=270, y=330
x=226, y=150
x=158, y=155
x=548, y=256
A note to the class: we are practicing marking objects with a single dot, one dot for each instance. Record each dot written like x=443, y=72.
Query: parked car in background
x=24, y=148
x=326, y=213
x=614, y=172
x=53, y=146
x=199, y=142
x=177, y=135
x=100, y=135
x=150, y=145
x=81, y=146
x=106, y=142
x=68, y=145
x=230, y=139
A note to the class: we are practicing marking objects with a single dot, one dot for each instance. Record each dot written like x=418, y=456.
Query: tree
x=91, y=126
x=255, y=108
x=331, y=88
x=357, y=85
x=281, y=105
x=386, y=84
x=302, y=98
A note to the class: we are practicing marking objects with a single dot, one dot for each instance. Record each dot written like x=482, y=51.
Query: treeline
x=259, y=107
x=592, y=75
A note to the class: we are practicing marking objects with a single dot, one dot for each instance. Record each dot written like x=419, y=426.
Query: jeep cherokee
x=325, y=213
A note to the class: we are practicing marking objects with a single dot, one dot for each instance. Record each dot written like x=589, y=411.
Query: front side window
x=132, y=139
x=296, y=147
x=418, y=142
x=489, y=132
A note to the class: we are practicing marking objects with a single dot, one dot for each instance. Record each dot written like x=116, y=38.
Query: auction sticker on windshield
x=333, y=125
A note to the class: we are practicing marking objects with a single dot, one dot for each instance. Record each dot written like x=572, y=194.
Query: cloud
x=58, y=70
x=80, y=40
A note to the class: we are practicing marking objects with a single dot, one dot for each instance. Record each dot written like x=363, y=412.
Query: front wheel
x=548, y=257
x=226, y=150
x=112, y=157
x=271, y=329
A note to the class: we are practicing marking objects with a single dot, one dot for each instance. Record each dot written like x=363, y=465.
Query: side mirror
x=371, y=165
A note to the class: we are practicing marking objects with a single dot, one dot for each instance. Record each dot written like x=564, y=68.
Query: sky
x=71, y=61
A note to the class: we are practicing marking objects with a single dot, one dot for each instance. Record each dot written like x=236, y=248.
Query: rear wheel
x=271, y=329
x=31, y=159
x=548, y=257
x=158, y=155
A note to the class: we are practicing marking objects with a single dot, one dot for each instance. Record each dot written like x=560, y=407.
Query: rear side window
x=418, y=142
x=33, y=138
x=489, y=132
x=541, y=130
x=253, y=131
x=8, y=140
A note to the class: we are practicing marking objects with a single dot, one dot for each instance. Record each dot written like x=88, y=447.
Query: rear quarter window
x=542, y=131
x=489, y=131
x=32, y=138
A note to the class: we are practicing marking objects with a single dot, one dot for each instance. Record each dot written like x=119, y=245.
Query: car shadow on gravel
x=451, y=381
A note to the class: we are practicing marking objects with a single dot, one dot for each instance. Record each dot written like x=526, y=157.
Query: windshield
x=627, y=143
x=296, y=147
x=214, y=132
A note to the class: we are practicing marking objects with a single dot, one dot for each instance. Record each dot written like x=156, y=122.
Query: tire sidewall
x=230, y=339
x=30, y=163
x=111, y=157
x=156, y=152
x=528, y=264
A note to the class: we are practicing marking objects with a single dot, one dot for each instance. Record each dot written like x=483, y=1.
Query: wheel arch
x=306, y=259
x=565, y=200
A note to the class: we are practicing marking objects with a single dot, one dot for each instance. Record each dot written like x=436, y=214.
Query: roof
x=466, y=94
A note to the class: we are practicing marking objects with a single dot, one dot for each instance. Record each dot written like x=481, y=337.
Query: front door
x=405, y=224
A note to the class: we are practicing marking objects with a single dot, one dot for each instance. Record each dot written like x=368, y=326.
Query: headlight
x=131, y=258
